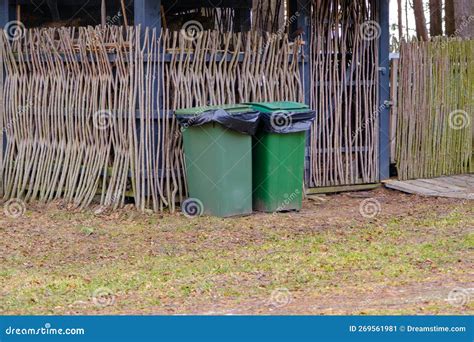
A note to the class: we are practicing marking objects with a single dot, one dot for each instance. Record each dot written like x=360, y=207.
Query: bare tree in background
x=449, y=17
x=400, y=20
x=458, y=18
x=420, y=20
x=464, y=18
x=436, y=22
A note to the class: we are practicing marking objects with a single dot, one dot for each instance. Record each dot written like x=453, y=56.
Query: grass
x=147, y=264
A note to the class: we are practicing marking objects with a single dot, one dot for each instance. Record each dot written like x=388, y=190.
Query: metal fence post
x=7, y=12
x=299, y=22
x=148, y=13
x=384, y=91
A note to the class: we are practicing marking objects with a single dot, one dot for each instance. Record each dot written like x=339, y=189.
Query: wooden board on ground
x=341, y=188
x=458, y=186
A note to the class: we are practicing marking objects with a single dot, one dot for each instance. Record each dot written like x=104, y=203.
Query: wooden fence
x=435, y=128
x=344, y=92
x=87, y=112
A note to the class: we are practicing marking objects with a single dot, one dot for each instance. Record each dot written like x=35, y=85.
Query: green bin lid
x=278, y=105
x=233, y=108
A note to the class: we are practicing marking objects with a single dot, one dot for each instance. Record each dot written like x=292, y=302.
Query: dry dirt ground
x=414, y=256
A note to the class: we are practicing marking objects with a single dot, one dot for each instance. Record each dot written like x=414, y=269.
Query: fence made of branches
x=435, y=128
x=87, y=112
x=344, y=92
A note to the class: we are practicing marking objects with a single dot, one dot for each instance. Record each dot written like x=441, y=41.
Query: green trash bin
x=278, y=155
x=218, y=159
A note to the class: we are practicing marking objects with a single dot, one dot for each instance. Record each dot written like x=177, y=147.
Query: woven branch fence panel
x=344, y=92
x=87, y=112
x=435, y=128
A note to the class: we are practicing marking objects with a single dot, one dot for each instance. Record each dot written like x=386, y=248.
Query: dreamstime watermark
x=372, y=118
x=191, y=120
x=280, y=120
x=370, y=207
x=461, y=27
x=459, y=296
x=46, y=330
x=370, y=30
x=103, y=297
x=114, y=19
x=14, y=30
x=103, y=119
x=280, y=297
x=14, y=208
x=192, y=207
x=289, y=198
x=459, y=119
x=281, y=31
x=191, y=30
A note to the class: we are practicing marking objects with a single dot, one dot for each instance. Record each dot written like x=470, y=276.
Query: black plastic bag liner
x=286, y=121
x=246, y=123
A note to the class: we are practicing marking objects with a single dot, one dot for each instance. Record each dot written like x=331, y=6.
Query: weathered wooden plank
x=410, y=188
x=424, y=185
x=461, y=195
x=469, y=179
x=433, y=186
x=342, y=188
x=454, y=181
x=453, y=186
x=444, y=184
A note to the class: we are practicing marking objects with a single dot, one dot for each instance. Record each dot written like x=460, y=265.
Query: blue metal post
x=4, y=12
x=7, y=12
x=384, y=90
x=299, y=22
x=303, y=25
x=148, y=13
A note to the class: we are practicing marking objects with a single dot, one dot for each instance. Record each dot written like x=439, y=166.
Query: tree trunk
x=103, y=13
x=449, y=17
x=436, y=28
x=420, y=21
x=407, y=26
x=464, y=18
x=400, y=20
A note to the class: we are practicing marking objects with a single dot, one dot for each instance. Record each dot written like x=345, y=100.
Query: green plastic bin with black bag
x=278, y=155
x=218, y=156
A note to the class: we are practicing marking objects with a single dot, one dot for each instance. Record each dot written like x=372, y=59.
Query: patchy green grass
x=328, y=258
